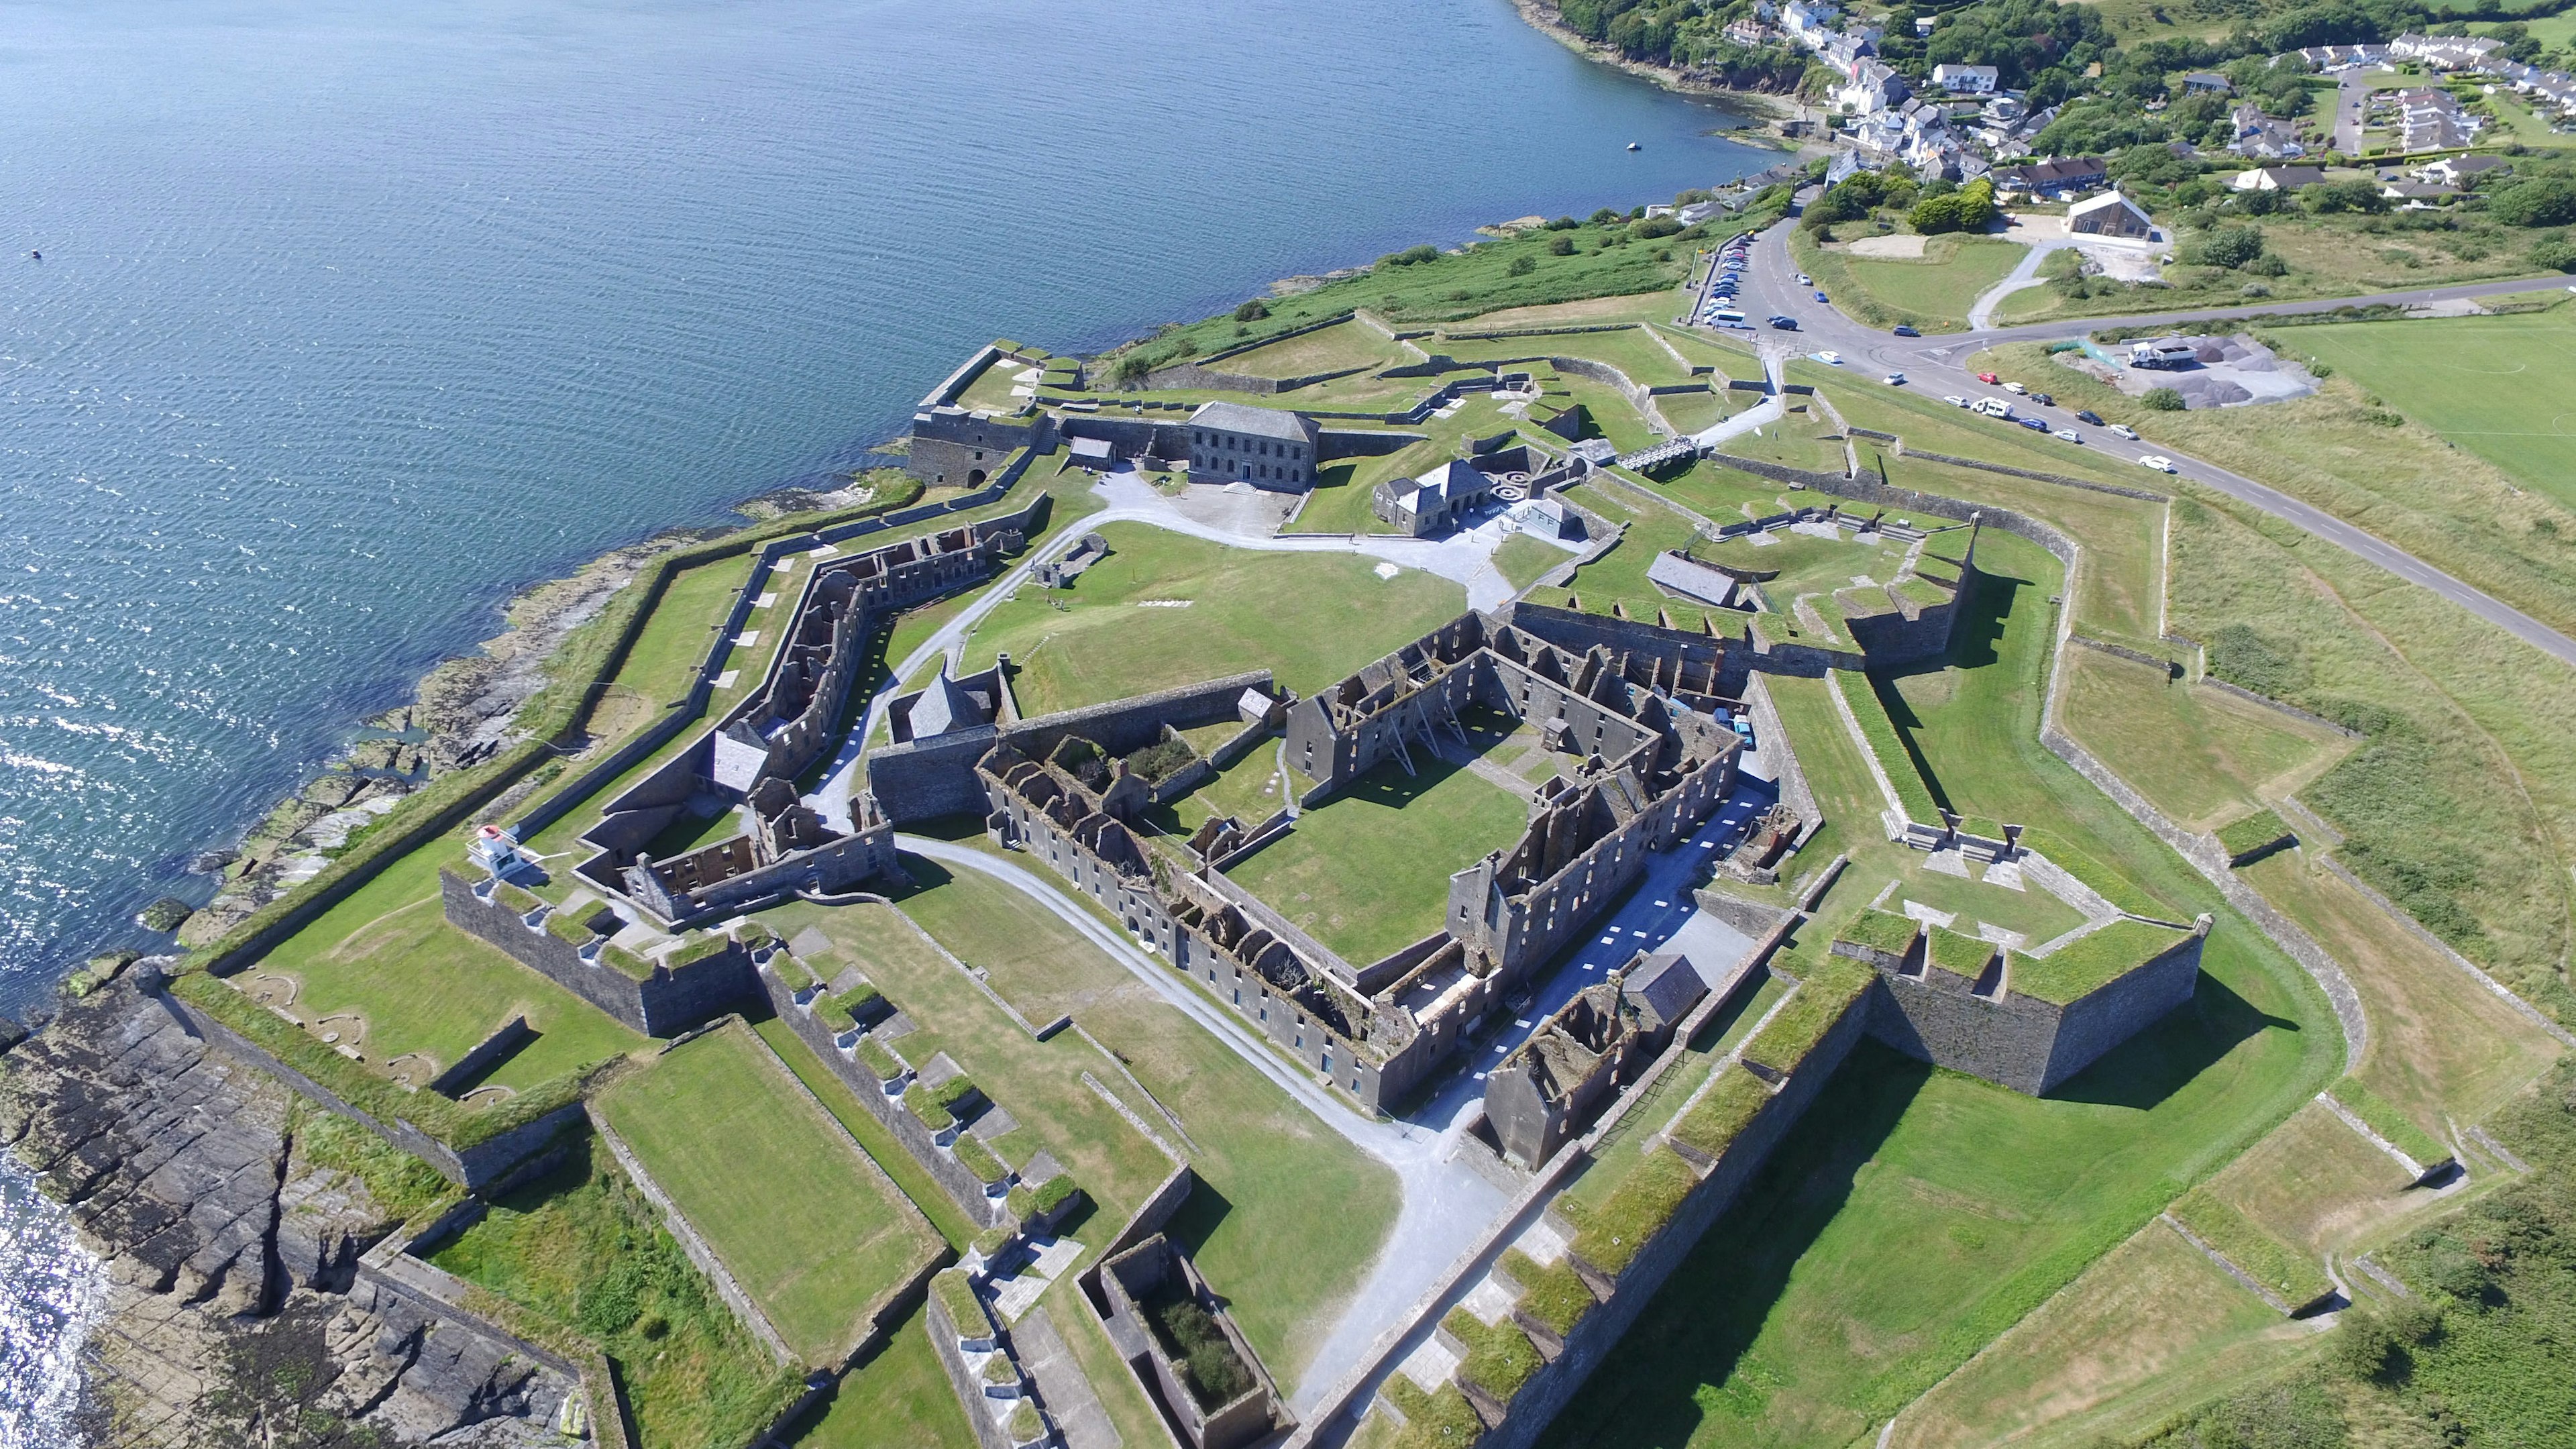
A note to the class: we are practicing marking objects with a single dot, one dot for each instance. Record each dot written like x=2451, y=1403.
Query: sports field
x=2502, y=387
x=809, y=1226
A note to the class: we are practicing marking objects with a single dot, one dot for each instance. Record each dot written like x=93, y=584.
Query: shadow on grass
x=1684, y=1350
x=1202, y=1213
x=2158, y=1062
x=1976, y=637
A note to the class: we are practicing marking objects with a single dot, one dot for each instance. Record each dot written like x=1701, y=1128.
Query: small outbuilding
x=1433, y=502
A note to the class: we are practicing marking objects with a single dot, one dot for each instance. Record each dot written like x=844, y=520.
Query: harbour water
x=352, y=320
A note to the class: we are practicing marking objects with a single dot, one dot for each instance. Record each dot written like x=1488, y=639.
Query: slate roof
x=1255, y=422
x=1663, y=989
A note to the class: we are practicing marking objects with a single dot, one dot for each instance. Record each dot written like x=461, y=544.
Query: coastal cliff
x=1545, y=17
x=235, y=1310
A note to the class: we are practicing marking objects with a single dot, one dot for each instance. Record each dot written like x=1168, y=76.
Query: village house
x=2110, y=214
x=2277, y=178
x=1965, y=80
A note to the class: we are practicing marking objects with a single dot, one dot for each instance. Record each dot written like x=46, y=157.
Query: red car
x=1988, y=378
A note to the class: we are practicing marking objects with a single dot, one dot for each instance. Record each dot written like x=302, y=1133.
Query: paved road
x=1935, y=365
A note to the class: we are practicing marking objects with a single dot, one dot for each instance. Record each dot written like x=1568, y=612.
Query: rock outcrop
x=236, y=1311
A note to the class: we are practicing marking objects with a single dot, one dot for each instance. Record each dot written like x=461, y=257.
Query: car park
x=2087, y=415
x=2157, y=461
x=2123, y=430
x=1894, y=379
x=1907, y=332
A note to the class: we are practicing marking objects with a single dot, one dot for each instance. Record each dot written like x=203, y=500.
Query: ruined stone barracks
x=1631, y=702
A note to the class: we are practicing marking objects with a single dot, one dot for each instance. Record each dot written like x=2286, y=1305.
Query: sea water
x=354, y=319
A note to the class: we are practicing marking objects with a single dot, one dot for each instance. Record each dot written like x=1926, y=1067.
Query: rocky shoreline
x=1545, y=18
x=236, y=1311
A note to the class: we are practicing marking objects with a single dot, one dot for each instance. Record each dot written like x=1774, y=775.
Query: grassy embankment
x=1163, y=609
x=1917, y=1214
x=1288, y=1214
x=811, y=1229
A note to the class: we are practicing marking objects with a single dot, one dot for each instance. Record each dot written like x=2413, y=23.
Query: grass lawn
x=809, y=1226
x=2200, y=756
x=585, y=1255
x=2036, y=914
x=1328, y=349
x=2146, y=1333
x=1248, y=790
x=1341, y=501
x=664, y=659
x=1806, y=564
x=1102, y=645
x=1634, y=351
x=2316, y=1185
x=900, y=1398
x=873, y=1138
x=1721, y=493
x=2440, y=1045
x=426, y=989
x=1619, y=576
x=1693, y=412
x=2502, y=387
x=1954, y=272
x=1661, y=305
x=1288, y=1214
x=1611, y=415
x=1522, y=559
x=1367, y=872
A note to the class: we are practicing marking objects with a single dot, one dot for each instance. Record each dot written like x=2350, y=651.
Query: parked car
x=1955, y=401
x=1894, y=379
x=1821, y=297
x=1805, y=281
x=2123, y=430
x=2068, y=435
x=1991, y=407
x=1907, y=332
x=2087, y=415
x=2016, y=389
x=1988, y=378
x=2157, y=461
x=1830, y=359
x=1785, y=324
x=2036, y=425
x=2043, y=399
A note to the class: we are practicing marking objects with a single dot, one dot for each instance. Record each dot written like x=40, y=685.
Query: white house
x=1873, y=87
x=1965, y=80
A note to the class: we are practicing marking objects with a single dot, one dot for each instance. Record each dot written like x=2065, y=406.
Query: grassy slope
x=802, y=1221
x=1288, y=1214
x=388, y=954
x=1103, y=646
x=1367, y=873
x=2199, y=756
x=583, y=1253
x=899, y=1398
x=1916, y=1214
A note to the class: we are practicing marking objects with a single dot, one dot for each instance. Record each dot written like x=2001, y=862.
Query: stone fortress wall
x=663, y=1002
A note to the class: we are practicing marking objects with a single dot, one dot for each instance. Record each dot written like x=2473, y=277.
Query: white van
x=1727, y=314
x=1993, y=407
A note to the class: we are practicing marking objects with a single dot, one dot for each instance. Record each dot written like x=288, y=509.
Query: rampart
x=660, y=1001
x=924, y=779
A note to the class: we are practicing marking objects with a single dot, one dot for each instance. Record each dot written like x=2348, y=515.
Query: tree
x=1935, y=214
x=1977, y=209
x=2326, y=198
x=2227, y=246
x=2556, y=253
x=2542, y=201
x=2163, y=400
x=1560, y=246
x=1252, y=311
x=1521, y=266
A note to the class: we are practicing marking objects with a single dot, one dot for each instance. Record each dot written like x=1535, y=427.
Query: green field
x=1806, y=564
x=1327, y=349
x=1954, y=273
x=899, y=1398
x=1367, y=872
x=810, y=1227
x=1105, y=643
x=412, y=994
x=1634, y=351
x=585, y=1254
x=2502, y=387
x=2200, y=756
x=1288, y=1215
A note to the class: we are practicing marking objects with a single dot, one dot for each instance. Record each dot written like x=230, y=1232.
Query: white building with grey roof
x=1267, y=447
